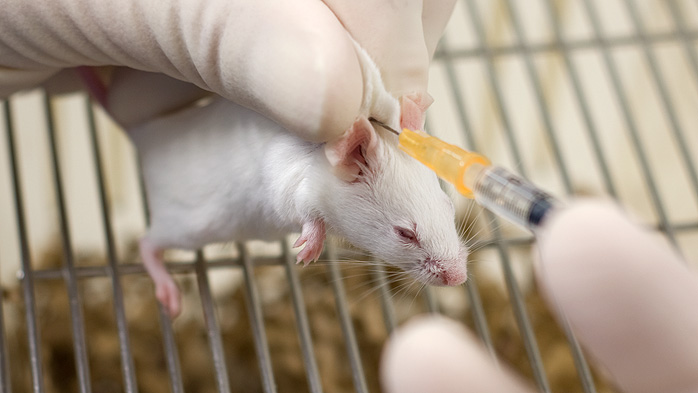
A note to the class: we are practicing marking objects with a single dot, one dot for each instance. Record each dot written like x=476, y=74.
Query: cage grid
x=497, y=238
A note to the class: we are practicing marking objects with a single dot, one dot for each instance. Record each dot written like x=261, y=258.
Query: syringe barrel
x=511, y=196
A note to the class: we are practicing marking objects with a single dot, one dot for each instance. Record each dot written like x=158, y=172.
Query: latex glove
x=401, y=38
x=630, y=300
x=292, y=61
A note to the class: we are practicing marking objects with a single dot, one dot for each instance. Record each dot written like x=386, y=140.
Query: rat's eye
x=406, y=235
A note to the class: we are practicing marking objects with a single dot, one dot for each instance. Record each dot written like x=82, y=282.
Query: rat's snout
x=452, y=277
x=448, y=273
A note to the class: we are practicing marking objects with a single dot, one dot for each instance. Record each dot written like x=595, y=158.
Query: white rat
x=223, y=172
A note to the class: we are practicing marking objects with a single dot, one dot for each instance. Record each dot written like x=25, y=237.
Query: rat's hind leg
x=313, y=236
x=166, y=289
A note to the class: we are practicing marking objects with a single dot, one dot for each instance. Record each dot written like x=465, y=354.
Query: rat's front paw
x=313, y=236
x=167, y=292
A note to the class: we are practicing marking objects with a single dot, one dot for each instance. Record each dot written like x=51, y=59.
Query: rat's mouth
x=433, y=266
x=430, y=271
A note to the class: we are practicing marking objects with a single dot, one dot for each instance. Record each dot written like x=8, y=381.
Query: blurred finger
x=291, y=61
x=434, y=354
x=631, y=301
x=137, y=96
x=392, y=33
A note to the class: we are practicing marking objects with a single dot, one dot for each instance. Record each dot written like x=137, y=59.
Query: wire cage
x=583, y=97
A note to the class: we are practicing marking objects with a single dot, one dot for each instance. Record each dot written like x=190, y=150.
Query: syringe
x=495, y=188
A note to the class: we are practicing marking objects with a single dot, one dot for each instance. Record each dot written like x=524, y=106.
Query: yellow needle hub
x=448, y=161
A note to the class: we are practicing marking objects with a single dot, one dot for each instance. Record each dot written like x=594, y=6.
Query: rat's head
x=387, y=203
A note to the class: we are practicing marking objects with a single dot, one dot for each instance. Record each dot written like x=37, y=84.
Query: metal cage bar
x=212, y=327
x=346, y=323
x=476, y=307
x=430, y=300
x=630, y=123
x=27, y=275
x=500, y=107
x=5, y=383
x=478, y=312
x=512, y=287
x=667, y=105
x=579, y=359
x=77, y=319
x=168, y=336
x=685, y=37
x=171, y=355
x=254, y=308
x=480, y=50
x=581, y=99
x=382, y=283
x=539, y=95
x=127, y=366
x=302, y=324
x=533, y=76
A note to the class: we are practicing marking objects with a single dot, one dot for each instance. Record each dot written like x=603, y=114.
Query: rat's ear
x=412, y=109
x=353, y=151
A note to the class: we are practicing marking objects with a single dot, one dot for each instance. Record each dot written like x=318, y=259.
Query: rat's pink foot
x=167, y=293
x=412, y=109
x=166, y=289
x=313, y=236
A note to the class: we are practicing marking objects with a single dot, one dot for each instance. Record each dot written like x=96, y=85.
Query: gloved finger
x=436, y=354
x=401, y=38
x=631, y=301
x=133, y=96
x=136, y=96
x=291, y=61
x=392, y=33
x=435, y=16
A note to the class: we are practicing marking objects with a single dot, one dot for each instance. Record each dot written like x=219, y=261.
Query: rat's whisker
x=361, y=285
x=466, y=219
x=399, y=279
x=373, y=290
x=354, y=251
x=475, y=235
x=419, y=292
x=408, y=290
x=355, y=262
x=488, y=224
x=421, y=287
x=357, y=275
x=465, y=231
x=400, y=289
x=406, y=284
x=477, y=246
x=484, y=226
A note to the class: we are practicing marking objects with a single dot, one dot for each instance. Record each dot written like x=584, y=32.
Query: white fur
x=223, y=172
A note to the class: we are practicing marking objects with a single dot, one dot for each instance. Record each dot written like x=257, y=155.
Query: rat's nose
x=452, y=277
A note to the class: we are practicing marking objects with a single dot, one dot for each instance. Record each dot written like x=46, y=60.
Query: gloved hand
x=292, y=61
x=630, y=300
